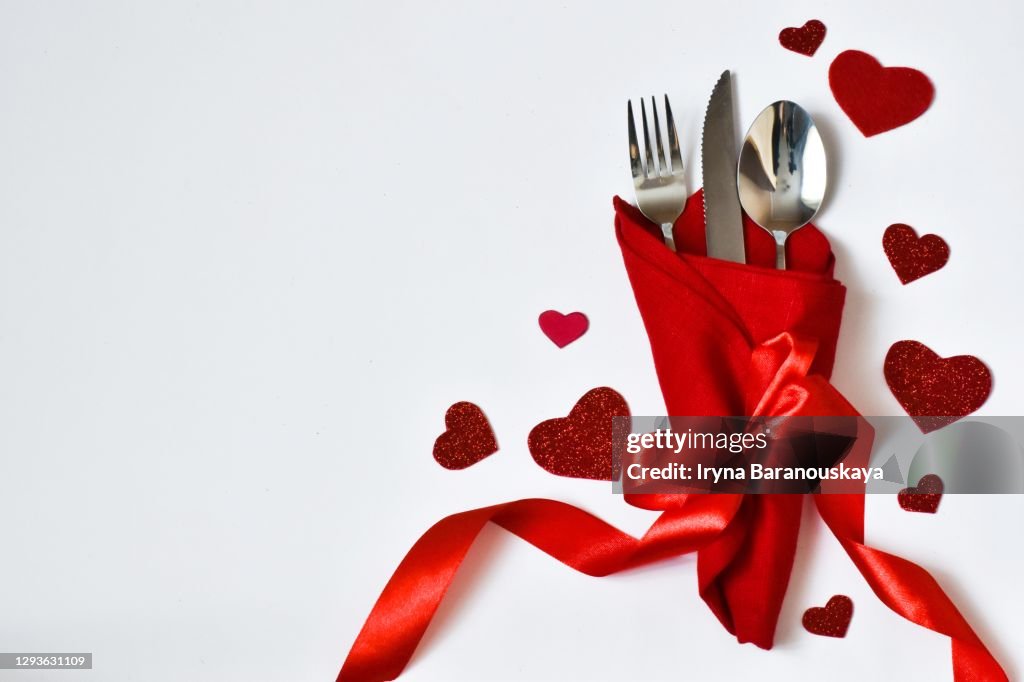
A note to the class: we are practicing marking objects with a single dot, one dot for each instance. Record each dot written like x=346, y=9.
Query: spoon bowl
x=781, y=174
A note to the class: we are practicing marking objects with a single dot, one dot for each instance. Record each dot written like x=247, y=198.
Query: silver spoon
x=781, y=174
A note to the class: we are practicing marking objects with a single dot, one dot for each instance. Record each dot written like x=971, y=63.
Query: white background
x=250, y=253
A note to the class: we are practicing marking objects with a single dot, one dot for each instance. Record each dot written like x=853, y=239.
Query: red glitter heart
x=878, y=98
x=913, y=257
x=935, y=391
x=804, y=40
x=832, y=620
x=580, y=445
x=562, y=329
x=924, y=497
x=468, y=438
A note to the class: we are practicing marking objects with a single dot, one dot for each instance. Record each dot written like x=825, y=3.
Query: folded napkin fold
x=728, y=339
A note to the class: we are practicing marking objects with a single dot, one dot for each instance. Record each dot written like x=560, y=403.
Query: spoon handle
x=780, y=250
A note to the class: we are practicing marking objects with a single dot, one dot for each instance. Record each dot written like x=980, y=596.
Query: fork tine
x=673, y=139
x=635, y=165
x=662, y=164
x=652, y=170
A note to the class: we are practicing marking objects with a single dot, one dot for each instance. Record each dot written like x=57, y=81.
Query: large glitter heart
x=580, y=445
x=804, y=40
x=913, y=257
x=832, y=620
x=562, y=329
x=468, y=438
x=924, y=497
x=875, y=97
x=935, y=391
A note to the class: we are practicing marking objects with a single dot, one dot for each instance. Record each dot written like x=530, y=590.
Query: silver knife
x=724, y=221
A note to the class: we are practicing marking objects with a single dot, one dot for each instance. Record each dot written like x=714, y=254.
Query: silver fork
x=660, y=187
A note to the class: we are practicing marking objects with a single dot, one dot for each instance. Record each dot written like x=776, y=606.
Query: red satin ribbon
x=908, y=589
x=771, y=338
x=569, y=534
x=687, y=523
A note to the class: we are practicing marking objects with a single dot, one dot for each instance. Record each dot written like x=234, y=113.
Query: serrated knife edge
x=722, y=215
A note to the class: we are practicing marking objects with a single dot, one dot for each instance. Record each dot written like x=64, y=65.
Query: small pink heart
x=562, y=329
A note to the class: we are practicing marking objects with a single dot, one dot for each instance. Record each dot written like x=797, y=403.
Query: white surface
x=250, y=252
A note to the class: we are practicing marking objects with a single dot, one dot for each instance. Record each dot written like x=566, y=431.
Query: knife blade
x=723, y=219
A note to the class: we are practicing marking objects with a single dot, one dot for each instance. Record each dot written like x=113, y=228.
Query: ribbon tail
x=403, y=611
x=909, y=590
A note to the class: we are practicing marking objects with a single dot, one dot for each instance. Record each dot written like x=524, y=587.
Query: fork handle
x=666, y=233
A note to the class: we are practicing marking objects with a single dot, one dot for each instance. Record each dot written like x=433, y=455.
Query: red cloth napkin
x=704, y=318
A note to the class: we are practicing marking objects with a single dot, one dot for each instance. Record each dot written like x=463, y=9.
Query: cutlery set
x=778, y=178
